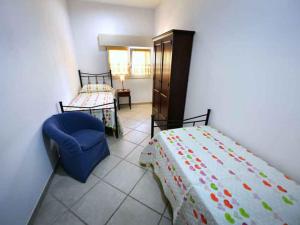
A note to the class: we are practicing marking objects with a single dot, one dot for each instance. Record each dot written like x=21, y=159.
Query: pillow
x=88, y=88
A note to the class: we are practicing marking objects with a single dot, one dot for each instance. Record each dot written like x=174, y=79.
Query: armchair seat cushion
x=87, y=138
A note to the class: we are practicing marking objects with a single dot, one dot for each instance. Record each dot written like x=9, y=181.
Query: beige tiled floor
x=118, y=192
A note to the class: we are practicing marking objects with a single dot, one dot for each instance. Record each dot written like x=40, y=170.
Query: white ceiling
x=135, y=3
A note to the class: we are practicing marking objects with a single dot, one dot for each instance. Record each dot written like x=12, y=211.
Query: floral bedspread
x=94, y=99
x=210, y=179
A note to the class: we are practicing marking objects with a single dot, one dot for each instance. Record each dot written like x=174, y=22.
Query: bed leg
x=207, y=117
x=152, y=125
x=116, y=119
x=79, y=72
x=110, y=76
x=61, y=107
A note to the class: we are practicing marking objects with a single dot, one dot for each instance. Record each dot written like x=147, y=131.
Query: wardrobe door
x=165, y=80
x=157, y=65
x=156, y=104
x=157, y=80
x=167, y=63
x=164, y=107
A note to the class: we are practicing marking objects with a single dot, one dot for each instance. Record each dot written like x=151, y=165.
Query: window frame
x=129, y=50
x=120, y=48
x=142, y=49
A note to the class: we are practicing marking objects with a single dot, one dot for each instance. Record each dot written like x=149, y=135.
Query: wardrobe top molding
x=172, y=32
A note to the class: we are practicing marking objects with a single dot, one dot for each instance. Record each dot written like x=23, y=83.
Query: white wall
x=245, y=67
x=89, y=19
x=37, y=70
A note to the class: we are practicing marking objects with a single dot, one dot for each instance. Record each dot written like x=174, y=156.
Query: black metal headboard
x=95, y=77
x=179, y=123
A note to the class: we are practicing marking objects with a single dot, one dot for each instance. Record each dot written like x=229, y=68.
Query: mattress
x=208, y=178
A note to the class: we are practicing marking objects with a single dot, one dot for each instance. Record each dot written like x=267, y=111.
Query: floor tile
x=125, y=116
x=148, y=191
x=68, y=219
x=134, y=213
x=126, y=130
x=130, y=123
x=124, y=176
x=142, y=115
x=111, y=140
x=147, y=120
x=106, y=165
x=134, y=156
x=122, y=148
x=145, y=142
x=98, y=205
x=135, y=136
x=69, y=190
x=165, y=221
x=49, y=211
x=144, y=127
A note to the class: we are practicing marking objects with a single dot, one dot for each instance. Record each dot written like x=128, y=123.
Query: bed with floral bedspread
x=210, y=179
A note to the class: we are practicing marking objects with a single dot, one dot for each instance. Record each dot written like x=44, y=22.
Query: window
x=132, y=62
x=140, y=62
x=118, y=60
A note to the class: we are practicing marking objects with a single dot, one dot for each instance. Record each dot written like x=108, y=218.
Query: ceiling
x=135, y=3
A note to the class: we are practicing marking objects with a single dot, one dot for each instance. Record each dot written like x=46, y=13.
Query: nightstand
x=123, y=93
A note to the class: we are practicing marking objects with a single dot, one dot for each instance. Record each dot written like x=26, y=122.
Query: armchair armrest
x=66, y=142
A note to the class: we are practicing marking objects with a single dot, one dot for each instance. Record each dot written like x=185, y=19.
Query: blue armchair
x=81, y=140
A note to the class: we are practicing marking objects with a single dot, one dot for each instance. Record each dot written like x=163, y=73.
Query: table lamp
x=122, y=79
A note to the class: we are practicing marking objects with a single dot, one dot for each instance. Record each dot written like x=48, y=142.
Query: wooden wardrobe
x=171, y=71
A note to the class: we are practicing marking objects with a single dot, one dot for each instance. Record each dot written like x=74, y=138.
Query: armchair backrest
x=73, y=121
x=54, y=127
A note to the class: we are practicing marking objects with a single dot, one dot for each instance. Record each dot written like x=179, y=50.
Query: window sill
x=133, y=78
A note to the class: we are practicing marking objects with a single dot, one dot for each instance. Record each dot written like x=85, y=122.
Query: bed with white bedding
x=208, y=178
x=97, y=99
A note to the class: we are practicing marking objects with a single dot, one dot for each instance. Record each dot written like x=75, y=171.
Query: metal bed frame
x=179, y=123
x=95, y=77
x=90, y=110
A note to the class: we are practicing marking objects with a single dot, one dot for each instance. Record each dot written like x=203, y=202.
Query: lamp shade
x=122, y=77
